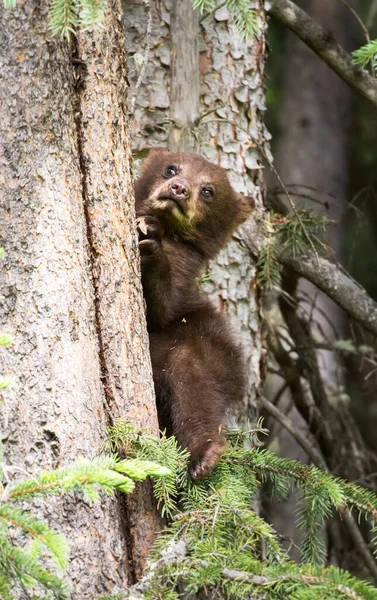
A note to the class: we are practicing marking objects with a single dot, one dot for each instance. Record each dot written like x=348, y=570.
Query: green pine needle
x=368, y=53
x=292, y=234
x=22, y=566
x=63, y=18
x=9, y=4
x=92, y=14
x=226, y=549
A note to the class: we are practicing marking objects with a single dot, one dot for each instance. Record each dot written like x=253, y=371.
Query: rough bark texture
x=231, y=74
x=70, y=281
x=105, y=155
x=184, y=77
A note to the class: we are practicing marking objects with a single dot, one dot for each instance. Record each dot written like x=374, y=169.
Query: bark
x=104, y=148
x=230, y=70
x=184, y=77
x=70, y=284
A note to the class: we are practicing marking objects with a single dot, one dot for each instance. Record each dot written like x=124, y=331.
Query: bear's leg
x=197, y=409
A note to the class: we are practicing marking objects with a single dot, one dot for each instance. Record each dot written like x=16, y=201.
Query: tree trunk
x=223, y=131
x=71, y=293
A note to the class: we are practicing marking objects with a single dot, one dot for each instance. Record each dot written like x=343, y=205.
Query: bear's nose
x=179, y=190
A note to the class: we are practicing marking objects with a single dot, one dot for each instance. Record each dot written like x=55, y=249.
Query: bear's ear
x=246, y=205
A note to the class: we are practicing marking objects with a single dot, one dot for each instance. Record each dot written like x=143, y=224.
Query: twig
x=358, y=19
x=323, y=44
x=329, y=277
x=270, y=581
x=338, y=285
x=310, y=450
x=145, y=58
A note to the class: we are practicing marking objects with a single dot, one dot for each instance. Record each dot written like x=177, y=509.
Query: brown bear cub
x=187, y=211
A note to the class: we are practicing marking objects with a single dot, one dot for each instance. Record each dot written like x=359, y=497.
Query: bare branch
x=329, y=277
x=324, y=44
x=338, y=285
x=359, y=542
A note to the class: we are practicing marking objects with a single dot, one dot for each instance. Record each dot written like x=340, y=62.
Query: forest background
x=71, y=291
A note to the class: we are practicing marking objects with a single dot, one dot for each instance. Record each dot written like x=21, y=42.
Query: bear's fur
x=187, y=211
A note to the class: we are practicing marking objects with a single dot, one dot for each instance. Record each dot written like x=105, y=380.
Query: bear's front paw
x=150, y=234
x=204, y=460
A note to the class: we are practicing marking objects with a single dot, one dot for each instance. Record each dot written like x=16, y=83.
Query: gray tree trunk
x=70, y=284
x=171, y=111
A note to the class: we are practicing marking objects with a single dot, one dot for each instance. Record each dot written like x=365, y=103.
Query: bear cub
x=186, y=212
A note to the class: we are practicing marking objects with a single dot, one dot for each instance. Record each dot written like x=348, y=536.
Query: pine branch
x=329, y=277
x=22, y=566
x=218, y=534
x=63, y=18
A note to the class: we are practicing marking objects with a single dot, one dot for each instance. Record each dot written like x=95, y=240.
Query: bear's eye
x=208, y=193
x=170, y=171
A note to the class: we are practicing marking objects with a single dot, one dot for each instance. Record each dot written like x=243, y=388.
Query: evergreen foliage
x=218, y=544
x=293, y=233
x=366, y=54
x=25, y=540
x=66, y=16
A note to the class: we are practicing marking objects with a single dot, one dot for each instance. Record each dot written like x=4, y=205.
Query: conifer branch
x=328, y=276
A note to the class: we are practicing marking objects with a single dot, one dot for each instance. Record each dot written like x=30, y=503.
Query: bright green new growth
x=296, y=233
x=217, y=542
x=368, y=53
x=68, y=15
x=23, y=558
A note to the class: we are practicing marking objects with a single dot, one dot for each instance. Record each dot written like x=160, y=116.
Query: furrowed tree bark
x=70, y=282
x=230, y=70
x=107, y=187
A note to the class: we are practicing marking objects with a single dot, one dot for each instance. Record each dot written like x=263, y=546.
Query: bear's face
x=191, y=197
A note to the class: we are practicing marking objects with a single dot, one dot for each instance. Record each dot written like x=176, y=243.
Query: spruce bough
x=217, y=544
